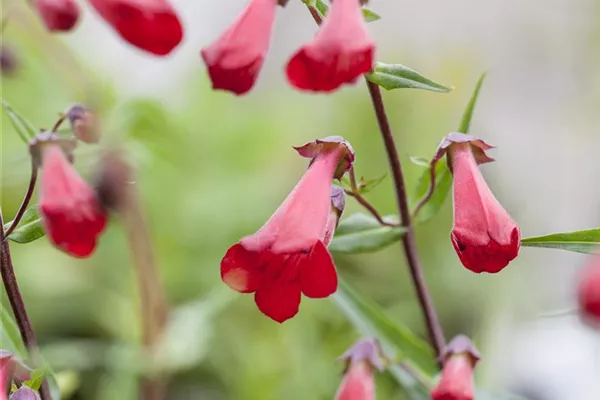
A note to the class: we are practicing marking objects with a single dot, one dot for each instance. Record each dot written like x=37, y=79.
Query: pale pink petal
x=300, y=220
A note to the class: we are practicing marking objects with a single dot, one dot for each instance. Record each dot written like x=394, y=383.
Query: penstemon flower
x=341, y=52
x=288, y=255
x=234, y=60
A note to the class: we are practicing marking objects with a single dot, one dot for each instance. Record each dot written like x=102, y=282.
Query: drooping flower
x=456, y=382
x=484, y=236
x=288, y=255
x=588, y=293
x=70, y=211
x=234, y=60
x=340, y=53
x=151, y=25
x=361, y=362
x=58, y=15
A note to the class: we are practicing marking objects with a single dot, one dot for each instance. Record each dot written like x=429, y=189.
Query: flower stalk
x=16, y=303
x=434, y=329
x=436, y=335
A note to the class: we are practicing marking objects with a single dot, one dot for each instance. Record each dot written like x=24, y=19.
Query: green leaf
x=366, y=185
x=361, y=233
x=585, y=241
x=10, y=336
x=443, y=184
x=24, y=128
x=397, y=340
x=397, y=76
x=322, y=8
x=370, y=15
x=29, y=228
x=37, y=378
x=420, y=161
x=465, y=122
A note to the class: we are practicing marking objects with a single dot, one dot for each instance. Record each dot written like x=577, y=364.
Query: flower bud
x=484, y=236
x=25, y=393
x=112, y=180
x=456, y=382
x=84, y=123
x=361, y=361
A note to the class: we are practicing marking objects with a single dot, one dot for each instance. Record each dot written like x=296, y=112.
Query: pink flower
x=71, y=214
x=456, y=382
x=288, y=255
x=484, y=236
x=234, y=60
x=341, y=52
x=151, y=25
x=361, y=361
x=58, y=15
x=588, y=293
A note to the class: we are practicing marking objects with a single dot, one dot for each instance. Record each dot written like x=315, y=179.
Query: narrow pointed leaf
x=24, y=128
x=361, y=233
x=585, y=241
x=443, y=184
x=398, y=76
x=366, y=185
x=10, y=337
x=30, y=227
x=397, y=340
x=370, y=15
x=37, y=378
x=465, y=122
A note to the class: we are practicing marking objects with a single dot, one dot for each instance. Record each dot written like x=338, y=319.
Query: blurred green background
x=212, y=168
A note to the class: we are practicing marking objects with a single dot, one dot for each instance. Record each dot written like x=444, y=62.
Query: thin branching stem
x=16, y=303
x=25, y=202
x=434, y=328
x=355, y=193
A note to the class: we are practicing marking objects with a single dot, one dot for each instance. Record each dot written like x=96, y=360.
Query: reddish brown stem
x=24, y=203
x=430, y=190
x=16, y=303
x=434, y=329
x=363, y=202
x=436, y=335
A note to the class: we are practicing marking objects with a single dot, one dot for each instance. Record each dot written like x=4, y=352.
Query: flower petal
x=300, y=220
x=278, y=299
x=241, y=269
x=318, y=278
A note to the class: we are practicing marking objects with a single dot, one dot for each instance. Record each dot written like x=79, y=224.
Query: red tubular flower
x=588, y=294
x=361, y=361
x=341, y=52
x=71, y=214
x=288, y=255
x=234, y=60
x=151, y=25
x=58, y=15
x=456, y=382
x=484, y=236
